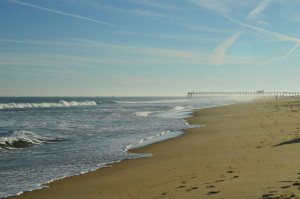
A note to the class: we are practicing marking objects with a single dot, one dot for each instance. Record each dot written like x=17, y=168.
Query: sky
x=147, y=47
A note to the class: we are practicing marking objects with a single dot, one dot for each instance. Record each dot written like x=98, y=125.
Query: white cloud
x=61, y=13
x=219, y=53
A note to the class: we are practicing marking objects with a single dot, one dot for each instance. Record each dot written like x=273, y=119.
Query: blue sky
x=147, y=47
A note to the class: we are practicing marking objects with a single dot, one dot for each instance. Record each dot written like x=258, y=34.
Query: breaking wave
x=21, y=139
x=147, y=113
x=61, y=103
x=179, y=108
x=144, y=114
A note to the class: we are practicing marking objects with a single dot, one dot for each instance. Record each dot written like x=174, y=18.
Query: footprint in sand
x=267, y=196
x=221, y=180
x=213, y=192
x=223, y=176
x=271, y=194
x=193, y=188
x=296, y=184
x=164, y=193
x=285, y=187
x=210, y=186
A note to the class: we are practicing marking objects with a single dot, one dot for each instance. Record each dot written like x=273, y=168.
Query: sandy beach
x=248, y=150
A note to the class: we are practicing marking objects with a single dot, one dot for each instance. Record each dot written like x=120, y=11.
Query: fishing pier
x=241, y=94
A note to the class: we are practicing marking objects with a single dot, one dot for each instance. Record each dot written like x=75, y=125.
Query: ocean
x=43, y=139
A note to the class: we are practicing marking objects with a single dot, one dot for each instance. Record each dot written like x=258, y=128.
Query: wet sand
x=249, y=150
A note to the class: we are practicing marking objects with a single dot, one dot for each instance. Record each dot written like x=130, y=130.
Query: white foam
x=37, y=187
x=153, y=139
x=143, y=114
x=21, y=192
x=61, y=103
x=21, y=139
x=179, y=108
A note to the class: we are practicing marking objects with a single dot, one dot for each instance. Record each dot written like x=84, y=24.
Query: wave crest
x=61, y=103
x=179, y=108
x=21, y=139
x=143, y=114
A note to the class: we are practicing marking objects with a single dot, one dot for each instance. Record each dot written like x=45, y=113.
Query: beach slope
x=247, y=151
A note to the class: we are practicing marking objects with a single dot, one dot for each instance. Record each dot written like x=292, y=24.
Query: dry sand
x=245, y=151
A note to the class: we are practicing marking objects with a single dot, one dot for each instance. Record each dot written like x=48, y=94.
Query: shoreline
x=179, y=112
x=223, y=159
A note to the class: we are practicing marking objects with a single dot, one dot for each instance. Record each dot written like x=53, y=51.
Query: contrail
x=276, y=34
x=219, y=53
x=62, y=13
x=281, y=57
x=262, y=6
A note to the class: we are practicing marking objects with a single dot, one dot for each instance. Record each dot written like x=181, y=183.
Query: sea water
x=48, y=138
